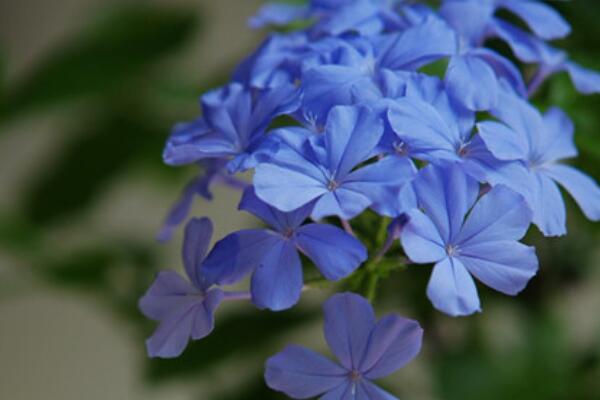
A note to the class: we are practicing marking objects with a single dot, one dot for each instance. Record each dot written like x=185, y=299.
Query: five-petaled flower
x=184, y=308
x=367, y=349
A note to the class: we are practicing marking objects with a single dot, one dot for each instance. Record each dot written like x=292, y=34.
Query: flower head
x=184, y=308
x=272, y=255
x=465, y=236
x=366, y=349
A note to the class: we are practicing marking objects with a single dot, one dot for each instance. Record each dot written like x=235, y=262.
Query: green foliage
x=109, y=53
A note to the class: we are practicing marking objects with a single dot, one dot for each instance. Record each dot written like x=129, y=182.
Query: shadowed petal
x=198, y=233
x=237, y=254
x=173, y=334
x=393, y=343
x=452, y=290
x=344, y=203
x=277, y=281
x=168, y=292
x=301, y=373
x=336, y=253
x=585, y=80
x=281, y=221
x=349, y=319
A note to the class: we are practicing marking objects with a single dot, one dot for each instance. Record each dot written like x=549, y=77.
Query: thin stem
x=237, y=295
x=536, y=82
x=347, y=227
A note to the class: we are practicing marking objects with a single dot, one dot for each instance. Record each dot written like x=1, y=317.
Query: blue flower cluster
x=387, y=105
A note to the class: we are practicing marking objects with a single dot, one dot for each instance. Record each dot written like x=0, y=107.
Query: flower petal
x=548, y=206
x=168, y=293
x=336, y=253
x=367, y=390
x=471, y=81
x=501, y=214
x=503, y=265
x=286, y=189
x=393, y=343
x=173, y=334
x=421, y=240
x=237, y=254
x=198, y=233
x=301, y=373
x=452, y=290
x=584, y=189
x=349, y=320
x=277, y=282
x=342, y=202
x=504, y=142
x=280, y=221
x=542, y=19
x=351, y=134
x=585, y=80
x=446, y=194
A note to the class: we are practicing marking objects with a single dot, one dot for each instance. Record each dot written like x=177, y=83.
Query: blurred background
x=88, y=92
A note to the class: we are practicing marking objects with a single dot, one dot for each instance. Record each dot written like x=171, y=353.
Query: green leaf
x=111, y=51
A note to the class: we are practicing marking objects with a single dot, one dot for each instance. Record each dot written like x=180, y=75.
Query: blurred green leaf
x=101, y=148
x=236, y=336
x=254, y=389
x=116, y=48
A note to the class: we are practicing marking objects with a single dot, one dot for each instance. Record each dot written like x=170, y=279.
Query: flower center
x=400, y=147
x=452, y=250
x=354, y=375
x=288, y=233
x=332, y=185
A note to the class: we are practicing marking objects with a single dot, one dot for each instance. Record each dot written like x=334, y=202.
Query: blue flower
x=184, y=308
x=367, y=349
x=335, y=17
x=464, y=236
x=539, y=143
x=326, y=167
x=232, y=126
x=473, y=18
x=532, y=50
x=272, y=254
x=355, y=72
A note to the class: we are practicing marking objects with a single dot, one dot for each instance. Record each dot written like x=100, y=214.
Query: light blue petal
x=501, y=214
x=585, y=80
x=452, y=290
x=548, y=207
x=543, y=20
x=557, y=143
x=505, y=143
x=277, y=14
x=503, y=265
x=421, y=240
x=342, y=202
x=584, y=189
x=351, y=134
x=446, y=194
x=471, y=81
x=367, y=390
x=285, y=188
